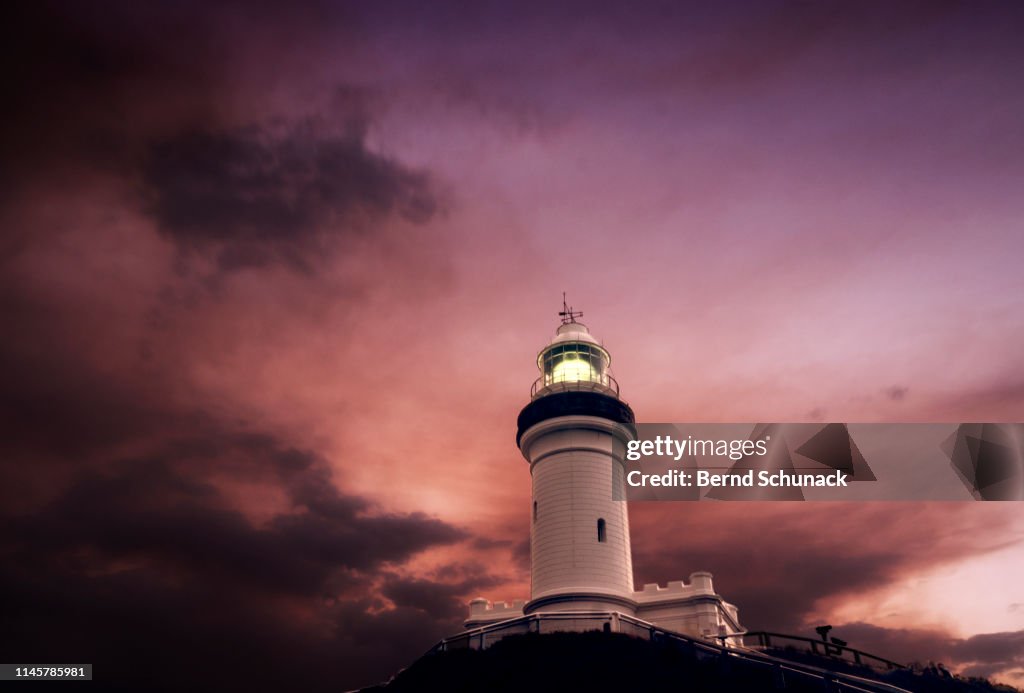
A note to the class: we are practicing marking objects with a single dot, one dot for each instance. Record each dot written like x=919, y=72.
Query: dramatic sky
x=273, y=278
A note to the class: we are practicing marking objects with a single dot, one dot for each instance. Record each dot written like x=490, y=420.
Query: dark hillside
x=605, y=662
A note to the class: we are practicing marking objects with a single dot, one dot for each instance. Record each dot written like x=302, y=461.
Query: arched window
x=600, y=529
x=534, y=511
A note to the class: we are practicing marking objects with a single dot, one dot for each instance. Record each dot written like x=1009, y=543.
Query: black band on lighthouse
x=573, y=403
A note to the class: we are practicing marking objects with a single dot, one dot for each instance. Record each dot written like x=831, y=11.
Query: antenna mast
x=567, y=314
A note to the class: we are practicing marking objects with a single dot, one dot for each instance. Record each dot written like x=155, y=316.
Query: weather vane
x=567, y=314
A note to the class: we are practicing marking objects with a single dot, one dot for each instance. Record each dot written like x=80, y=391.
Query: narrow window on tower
x=534, y=511
x=600, y=529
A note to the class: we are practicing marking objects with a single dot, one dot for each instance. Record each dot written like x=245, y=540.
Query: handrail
x=764, y=639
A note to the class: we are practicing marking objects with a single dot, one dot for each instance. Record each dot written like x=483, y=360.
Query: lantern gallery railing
x=546, y=385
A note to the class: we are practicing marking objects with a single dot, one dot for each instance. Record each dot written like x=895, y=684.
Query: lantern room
x=574, y=360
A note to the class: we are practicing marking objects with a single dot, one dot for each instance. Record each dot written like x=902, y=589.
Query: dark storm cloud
x=140, y=563
x=147, y=562
x=825, y=552
x=258, y=194
x=86, y=80
x=807, y=554
x=521, y=553
x=151, y=549
x=139, y=95
x=442, y=600
x=903, y=645
x=143, y=509
x=979, y=655
x=991, y=652
x=146, y=628
x=53, y=404
x=798, y=577
x=64, y=420
x=485, y=543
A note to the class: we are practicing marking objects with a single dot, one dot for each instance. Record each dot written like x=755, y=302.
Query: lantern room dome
x=573, y=332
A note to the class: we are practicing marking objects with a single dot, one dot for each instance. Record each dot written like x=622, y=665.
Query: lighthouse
x=573, y=434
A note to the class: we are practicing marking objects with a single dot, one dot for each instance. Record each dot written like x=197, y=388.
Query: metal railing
x=606, y=385
x=766, y=640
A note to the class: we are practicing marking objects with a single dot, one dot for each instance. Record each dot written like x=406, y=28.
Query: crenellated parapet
x=482, y=611
x=699, y=585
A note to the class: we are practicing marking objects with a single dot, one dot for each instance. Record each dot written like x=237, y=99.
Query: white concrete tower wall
x=572, y=464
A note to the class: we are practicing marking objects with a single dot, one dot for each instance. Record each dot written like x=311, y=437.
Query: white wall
x=572, y=485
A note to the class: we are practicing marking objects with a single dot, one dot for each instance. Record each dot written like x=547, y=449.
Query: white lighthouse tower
x=569, y=433
x=573, y=434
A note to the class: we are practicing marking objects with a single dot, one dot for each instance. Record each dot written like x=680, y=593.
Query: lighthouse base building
x=691, y=608
x=573, y=434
